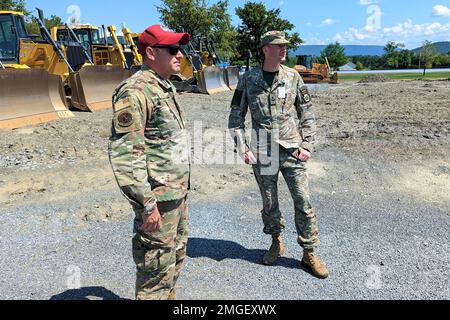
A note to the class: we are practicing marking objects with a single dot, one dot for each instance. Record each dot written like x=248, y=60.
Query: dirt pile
x=374, y=78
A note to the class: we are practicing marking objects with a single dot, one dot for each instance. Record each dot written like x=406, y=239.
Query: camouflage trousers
x=159, y=256
x=295, y=175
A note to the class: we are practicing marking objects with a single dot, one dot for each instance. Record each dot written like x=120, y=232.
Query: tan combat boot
x=312, y=262
x=172, y=295
x=276, y=250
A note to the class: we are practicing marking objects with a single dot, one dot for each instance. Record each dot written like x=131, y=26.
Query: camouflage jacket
x=285, y=108
x=149, y=145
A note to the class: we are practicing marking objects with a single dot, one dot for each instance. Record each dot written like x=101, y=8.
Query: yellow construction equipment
x=31, y=89
x=313, y=72
x=132, y=42
x=210, y=57
x=96, y=81
x=199, y=73
x=88, y=36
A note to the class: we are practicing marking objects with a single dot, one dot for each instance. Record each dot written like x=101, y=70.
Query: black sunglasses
x=173, y=50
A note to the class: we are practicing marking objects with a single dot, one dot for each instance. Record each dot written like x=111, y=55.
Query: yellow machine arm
x=129, y=38
x=328, y=64
x=112, y=31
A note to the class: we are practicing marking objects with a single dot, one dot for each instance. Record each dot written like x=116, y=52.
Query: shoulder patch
x=125, y=119
x=306, y=97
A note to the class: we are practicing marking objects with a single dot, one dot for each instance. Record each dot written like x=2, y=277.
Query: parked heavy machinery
x=195, y=76
x=106, y=69
x=31, y=87
x=211, y=58
x=313, y=72
x=89, y=36
x=199, y=72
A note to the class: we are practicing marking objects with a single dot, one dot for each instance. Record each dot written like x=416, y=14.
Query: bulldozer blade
x=213, y=80
x=232, y=77
x=30, y=96
x=92, y=86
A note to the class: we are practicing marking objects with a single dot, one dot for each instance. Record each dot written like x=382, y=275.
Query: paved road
x=390, y=247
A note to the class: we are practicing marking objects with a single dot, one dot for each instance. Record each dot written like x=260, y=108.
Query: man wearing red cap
x=150, y=156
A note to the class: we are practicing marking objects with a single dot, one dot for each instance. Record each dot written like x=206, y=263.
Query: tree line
x=395, y=57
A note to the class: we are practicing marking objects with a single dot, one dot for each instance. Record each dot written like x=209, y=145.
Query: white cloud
x=441, y=11
x=338, y=38
x=367, y=2
x=309, y=24
x=328, y=22
x=407, y=32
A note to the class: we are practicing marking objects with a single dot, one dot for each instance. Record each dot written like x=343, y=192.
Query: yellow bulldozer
x=210, y=57
x=200, y=72
x=100, y=53
x=313, y=72
x=31, y=87
x=107, y=65
x=41, y=79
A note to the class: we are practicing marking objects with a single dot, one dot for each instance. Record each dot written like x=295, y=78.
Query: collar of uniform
x=164, y=83
x=276, y=81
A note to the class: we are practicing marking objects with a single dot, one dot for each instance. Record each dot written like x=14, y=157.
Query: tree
x=404, y=59
x=392, y=55
x=335, y=53
x=198, y=19
x=13, y=5
x=33, y=27
x=428, y=55
x=359, y=66
x=256, y=20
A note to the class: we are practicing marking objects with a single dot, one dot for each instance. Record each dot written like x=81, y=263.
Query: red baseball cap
x=157, y=35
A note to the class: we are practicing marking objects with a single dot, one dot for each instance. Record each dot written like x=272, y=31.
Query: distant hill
x=350, y=50
x=443, y=47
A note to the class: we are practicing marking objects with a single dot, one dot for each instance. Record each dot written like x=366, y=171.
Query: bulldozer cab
x=12, y=28
x=87, y=35
x=305, y=60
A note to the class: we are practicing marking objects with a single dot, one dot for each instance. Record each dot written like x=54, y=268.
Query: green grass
x=396, y=76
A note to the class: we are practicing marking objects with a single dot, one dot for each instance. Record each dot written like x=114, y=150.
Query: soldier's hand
x=152, y=222
x=303, y=155
x=249, y=158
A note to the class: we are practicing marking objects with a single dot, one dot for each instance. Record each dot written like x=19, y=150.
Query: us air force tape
x=306, y=97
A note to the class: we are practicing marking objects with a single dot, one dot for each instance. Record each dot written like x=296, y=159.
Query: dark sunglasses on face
x=173, y=50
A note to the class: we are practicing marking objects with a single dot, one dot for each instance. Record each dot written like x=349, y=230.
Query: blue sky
x=318, y=21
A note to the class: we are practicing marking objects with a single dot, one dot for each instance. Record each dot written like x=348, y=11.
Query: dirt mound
x=374, y=78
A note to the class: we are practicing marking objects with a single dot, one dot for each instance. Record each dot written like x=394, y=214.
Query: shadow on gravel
x=219, y=250
x=89, y=293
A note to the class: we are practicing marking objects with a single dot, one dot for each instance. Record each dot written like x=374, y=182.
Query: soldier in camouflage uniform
x=149, y=154
x=282, y=140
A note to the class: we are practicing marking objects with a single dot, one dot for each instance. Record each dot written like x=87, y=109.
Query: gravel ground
x=376, y=248
x=379, y=181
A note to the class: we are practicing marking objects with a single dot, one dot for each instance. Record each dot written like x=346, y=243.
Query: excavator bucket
x=92, y=86
x=213, y=80
x=232, y=77
x=30, y=96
